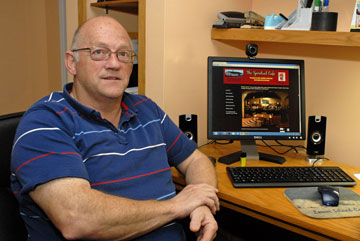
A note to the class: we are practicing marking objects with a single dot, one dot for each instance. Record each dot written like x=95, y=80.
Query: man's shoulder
x=51, y=101
x=47, y=107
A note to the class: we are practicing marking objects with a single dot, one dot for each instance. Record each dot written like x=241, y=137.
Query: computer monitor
x=255, y=99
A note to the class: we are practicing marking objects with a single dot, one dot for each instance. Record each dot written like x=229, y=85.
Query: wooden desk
x=271, y=205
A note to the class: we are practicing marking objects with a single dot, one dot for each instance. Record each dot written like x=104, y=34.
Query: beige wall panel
x=178, y=44
x=30, y=66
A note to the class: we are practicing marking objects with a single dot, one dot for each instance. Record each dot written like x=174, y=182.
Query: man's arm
x=80, y=212
x=197, y=168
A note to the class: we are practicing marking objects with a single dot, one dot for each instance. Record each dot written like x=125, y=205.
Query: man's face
x=105, y=79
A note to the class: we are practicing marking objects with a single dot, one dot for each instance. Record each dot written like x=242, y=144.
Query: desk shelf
x=288, y=36
x=270, y=204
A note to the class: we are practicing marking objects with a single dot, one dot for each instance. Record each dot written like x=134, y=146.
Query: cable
x=271, y=147
x=217, y=142
x=319, y=159
x=224, y=143
x=291, y=147
x=210, y=142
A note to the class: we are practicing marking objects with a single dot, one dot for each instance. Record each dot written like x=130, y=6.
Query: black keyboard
x=288, y=176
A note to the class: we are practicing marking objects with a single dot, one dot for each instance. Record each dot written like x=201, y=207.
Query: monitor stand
x=250, y=148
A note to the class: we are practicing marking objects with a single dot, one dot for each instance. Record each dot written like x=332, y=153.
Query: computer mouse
x=330, y=195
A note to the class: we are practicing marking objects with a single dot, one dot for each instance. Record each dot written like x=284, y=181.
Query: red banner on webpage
x=256, y=76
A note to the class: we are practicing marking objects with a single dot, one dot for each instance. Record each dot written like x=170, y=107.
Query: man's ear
x=70, y=62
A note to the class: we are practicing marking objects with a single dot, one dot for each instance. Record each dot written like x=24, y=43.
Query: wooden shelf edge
x=126, y=6
x=115, y=2
x=289, y=36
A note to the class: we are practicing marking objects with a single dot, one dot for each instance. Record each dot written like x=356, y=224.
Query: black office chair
x=12, y=227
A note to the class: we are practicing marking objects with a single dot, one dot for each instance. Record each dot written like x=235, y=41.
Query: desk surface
x=271, y=205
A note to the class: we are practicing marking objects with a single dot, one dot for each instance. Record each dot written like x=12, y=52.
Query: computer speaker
x=188, y=124
x=316, y=135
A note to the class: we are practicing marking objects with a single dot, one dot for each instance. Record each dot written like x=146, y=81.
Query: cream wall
x=155, y=51
x=29, y=44
x=71, y=25
x=178, y=42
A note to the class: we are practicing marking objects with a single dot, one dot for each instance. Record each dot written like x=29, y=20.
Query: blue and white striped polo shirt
x=58, y=137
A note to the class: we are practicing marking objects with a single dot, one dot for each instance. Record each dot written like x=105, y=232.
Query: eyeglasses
x=98, y=54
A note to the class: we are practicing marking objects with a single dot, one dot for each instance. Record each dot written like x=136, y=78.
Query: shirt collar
x=128, y=104
x=77, y=105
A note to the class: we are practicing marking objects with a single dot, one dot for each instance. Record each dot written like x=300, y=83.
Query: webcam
x=251, y=50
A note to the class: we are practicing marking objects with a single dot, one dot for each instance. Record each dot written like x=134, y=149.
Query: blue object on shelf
x=272, y=21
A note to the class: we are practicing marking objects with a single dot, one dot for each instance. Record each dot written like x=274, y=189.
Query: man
x=93, y=162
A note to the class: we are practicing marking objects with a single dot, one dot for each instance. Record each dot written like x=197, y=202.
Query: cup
x=324, y=21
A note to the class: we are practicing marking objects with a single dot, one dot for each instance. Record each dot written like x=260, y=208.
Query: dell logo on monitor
x=257, y=137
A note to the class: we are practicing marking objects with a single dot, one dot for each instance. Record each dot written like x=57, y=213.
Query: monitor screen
x=256, y=99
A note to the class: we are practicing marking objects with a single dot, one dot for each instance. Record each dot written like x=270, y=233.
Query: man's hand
x=203, y=223
x=198, y=169
x=194, y=196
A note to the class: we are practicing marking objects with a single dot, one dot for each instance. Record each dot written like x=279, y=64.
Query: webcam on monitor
x=251, y=50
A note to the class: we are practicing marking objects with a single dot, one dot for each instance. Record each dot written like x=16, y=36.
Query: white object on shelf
x=300, y=19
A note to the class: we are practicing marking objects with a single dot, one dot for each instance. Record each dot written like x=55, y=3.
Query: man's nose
x=113, y=61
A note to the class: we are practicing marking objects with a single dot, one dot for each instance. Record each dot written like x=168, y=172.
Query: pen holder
x=324, y=21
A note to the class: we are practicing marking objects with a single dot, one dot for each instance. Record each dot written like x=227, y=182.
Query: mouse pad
x=308, y=201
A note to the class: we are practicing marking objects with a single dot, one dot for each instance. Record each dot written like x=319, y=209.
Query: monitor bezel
x=301, y=63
